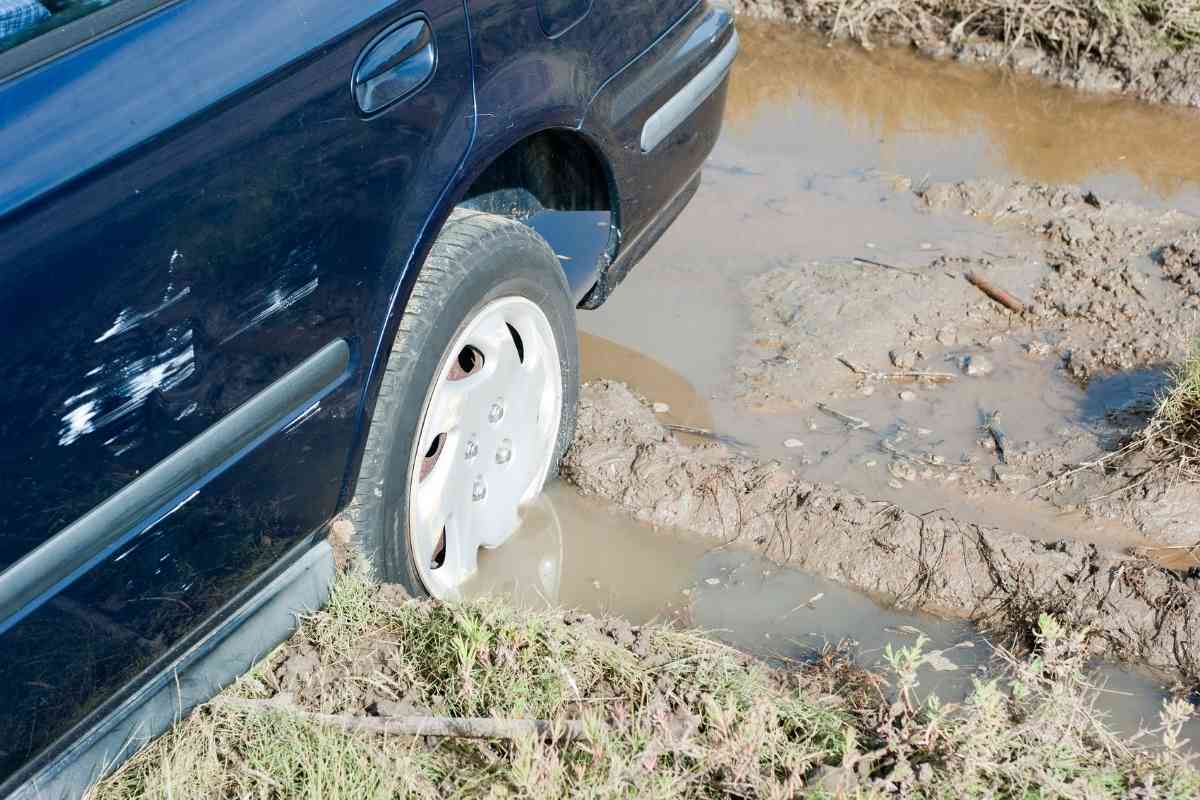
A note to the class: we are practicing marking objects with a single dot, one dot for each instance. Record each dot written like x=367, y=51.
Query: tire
x=482, y=271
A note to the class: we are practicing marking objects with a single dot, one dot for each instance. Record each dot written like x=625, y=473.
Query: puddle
x=578, y=553
x=799, y=184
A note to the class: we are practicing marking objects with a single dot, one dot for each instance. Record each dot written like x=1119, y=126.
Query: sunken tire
x=475, y=409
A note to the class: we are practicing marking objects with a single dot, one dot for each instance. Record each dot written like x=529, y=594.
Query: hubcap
x=486, y=441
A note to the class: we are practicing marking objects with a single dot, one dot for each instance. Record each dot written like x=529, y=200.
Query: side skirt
x=247, y=635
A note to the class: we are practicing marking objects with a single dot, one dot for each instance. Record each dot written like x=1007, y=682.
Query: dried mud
x=1134, y=609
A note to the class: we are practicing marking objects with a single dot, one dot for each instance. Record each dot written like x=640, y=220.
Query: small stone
x=938, y=460
x=870, y=245
x=868, y=391
x=812, y=426
x=978, y=366
x=661, y=408
x=595, y=584
x=713, y=581
x=1006, y=474
x=903, y=359
x=686, y=593
x=924, y=432
x=895, y=484
x=870, y=462
x=947, y=335
x=792, y=443
x=908, y=395
x=995, y=341
x=1038, y=349
x=926, y=245
x=902, y=470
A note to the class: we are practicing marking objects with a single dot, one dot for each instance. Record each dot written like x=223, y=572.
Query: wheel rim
x=487, y=438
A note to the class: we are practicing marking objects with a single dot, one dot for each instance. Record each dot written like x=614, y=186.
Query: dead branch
x=873, y=263
x=449, y=727
x=903, y=376
x=999, y=295
x=854, y=423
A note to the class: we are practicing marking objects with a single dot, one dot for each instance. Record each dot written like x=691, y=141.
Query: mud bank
x=1133, y=609
x=1081, y=47
x=1120, y=298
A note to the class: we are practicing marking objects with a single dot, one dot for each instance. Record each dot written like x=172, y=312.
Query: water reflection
x=1033, y=130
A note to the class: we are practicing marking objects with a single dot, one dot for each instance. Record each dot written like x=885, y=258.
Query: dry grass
x=1069, y=29
x=668, y=714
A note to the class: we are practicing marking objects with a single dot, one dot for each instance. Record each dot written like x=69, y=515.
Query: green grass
x=668, y=714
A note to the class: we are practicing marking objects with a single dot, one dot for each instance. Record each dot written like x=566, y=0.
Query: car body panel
x=180, y=230
x=223, y=224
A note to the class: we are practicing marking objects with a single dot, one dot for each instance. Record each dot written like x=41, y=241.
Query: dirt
x=1134, y=609
x=1133, y=63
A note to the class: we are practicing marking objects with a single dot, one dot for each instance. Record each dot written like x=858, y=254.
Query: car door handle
x=394, y=65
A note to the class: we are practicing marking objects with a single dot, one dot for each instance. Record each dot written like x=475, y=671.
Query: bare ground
x=1134, y=609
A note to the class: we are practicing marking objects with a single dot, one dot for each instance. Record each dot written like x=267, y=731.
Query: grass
x=1174, y=430
x=668, y=714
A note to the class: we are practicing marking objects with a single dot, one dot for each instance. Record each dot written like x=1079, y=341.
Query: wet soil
x=1132, y=62
x=769, y=414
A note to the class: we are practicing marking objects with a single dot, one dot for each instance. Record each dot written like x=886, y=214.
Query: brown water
x=802, y=180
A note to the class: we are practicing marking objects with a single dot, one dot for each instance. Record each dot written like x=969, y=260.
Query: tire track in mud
x=1133, y=609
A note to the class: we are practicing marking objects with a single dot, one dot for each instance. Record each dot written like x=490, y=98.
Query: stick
x=904, y=376
x=859, y=260
x=999, y=295
x=450, y=727
x=854, y=423
x=991, y=426
x=706, y=434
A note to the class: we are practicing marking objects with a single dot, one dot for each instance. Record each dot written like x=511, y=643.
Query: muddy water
x=802, y=182
x=577, y=553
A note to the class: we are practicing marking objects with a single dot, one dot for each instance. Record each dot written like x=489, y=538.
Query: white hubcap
x=486, y=440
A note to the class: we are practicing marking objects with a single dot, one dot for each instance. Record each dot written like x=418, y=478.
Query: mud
x=1129, y=66
x=1134, y=609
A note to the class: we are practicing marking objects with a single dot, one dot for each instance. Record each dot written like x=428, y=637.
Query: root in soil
x=667, y=714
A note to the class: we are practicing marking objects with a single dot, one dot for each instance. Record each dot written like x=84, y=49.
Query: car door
x=205, y=210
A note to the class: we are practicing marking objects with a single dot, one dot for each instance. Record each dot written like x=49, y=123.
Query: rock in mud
x=903, y=359
x=1133, y=609
x=978, y=366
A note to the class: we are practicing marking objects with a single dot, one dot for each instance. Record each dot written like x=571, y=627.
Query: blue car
x=289, y=283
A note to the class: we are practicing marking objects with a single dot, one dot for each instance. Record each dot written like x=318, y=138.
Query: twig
x=990, y=425
x=854, y=423
x=450, y=727
x=903, y=376
x=706, y=434
x=999, y=295
x=1087, y=465
x=873, y=263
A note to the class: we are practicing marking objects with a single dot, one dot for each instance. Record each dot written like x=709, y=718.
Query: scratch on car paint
x=124, y=386
x=304, y=417
x=272, y=303
x=178, y=506
x=129, y=319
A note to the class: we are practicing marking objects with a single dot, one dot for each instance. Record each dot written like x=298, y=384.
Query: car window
x=22, y=20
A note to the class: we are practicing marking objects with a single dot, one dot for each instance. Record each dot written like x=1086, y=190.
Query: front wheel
x=476, y=407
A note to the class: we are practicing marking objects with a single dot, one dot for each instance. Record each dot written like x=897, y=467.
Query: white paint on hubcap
x=486, y=440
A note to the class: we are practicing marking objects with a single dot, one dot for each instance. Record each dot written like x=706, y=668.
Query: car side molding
x=168, y=485
x=673, y=112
